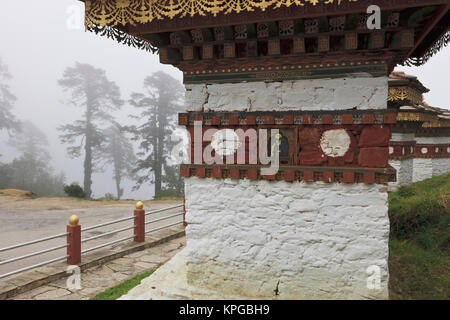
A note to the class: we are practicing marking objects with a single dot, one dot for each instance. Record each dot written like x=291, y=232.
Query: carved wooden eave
x=416, y=116
x=148, y=24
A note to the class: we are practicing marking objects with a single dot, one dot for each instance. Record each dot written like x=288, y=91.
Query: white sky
x=37, y=45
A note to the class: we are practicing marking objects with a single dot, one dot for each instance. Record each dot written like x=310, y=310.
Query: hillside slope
x=419, y=257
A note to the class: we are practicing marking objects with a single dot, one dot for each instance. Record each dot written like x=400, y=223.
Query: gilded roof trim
x=123, y=12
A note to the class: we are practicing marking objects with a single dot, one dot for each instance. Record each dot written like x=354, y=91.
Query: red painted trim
x=74, y=242
x=139, y=222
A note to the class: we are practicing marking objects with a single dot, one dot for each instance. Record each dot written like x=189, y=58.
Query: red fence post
x=74, y=241
x=139, y=223
x=184, y=212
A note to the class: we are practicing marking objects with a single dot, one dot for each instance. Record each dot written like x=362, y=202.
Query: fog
x=38, y=41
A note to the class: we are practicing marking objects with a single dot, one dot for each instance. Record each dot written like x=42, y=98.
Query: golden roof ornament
x=123, y=12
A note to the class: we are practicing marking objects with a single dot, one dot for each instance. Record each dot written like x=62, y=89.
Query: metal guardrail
x=74, y=239
x=34, y=241
x=107, y=234
x=33, y=266
x=165, y=209
x=164, y=218
x=106, y=224
x=167, y=226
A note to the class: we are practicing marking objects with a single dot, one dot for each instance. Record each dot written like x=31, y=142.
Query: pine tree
x=91, y=90
x=7, y=100
x=159, y=104
x=119, y=153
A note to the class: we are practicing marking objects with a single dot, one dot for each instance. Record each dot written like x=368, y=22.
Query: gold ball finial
x=73, y=220
x=139, y=205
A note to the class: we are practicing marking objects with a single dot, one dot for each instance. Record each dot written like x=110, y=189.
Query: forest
x=139, y=152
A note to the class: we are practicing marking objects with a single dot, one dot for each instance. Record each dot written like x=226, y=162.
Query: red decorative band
x=291, y=174
x=288, y=118
x=432, y=151
x=401, y=150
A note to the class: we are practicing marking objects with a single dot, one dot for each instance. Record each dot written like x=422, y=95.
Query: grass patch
x=419, y=259
x=31, y=195
x=122, y=288
x=168, y=198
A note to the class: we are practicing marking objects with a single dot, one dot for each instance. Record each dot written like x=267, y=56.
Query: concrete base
x=169, y=282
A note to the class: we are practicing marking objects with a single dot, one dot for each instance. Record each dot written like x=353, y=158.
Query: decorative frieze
x=280, y=69
x=351, y=117
x=401, y=150
x=291, y=174
x=333, y=140
x=432, y=151
x=405, y=94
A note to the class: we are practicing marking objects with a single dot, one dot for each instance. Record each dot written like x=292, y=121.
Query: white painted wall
x=318, y=94
x=313, y=240
x=427, y=168
x=397, y=136
x=432, y=140
x=423, y=169
x=404, y=171
x=440, y=166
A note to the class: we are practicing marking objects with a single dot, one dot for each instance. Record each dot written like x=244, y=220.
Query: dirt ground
x=13, y=199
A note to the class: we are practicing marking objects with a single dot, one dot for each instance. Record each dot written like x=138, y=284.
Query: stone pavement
x=99, y=278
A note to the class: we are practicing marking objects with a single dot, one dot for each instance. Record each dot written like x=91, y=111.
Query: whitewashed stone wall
x=427, y=168
x=423, y=169
x=356, y=91
x=440, y=166
x=402, y=137
x=302, y=240
x=404, y=167
x=432, y=140
x=404, y=171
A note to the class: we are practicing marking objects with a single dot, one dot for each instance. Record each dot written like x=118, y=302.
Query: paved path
x=98, y=279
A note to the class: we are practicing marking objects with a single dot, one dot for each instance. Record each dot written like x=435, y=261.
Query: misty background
x=40, y=39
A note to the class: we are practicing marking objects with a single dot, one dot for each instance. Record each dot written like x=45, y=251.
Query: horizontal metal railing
x=165, y=209
x=164, y=218
x=33, y=254
x=33, y=266
x=24, y=244
x=107, y=244
x=163, y=227
x=80, y=240
x=34, y=241
x=107, y=234
x=107, y=223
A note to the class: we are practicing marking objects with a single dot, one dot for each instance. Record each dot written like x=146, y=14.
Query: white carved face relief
x=335, y=143
x=225, y=142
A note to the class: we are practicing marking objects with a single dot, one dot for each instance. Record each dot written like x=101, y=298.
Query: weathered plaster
x=423, y=169
x=404, y=171
x=309, y=240
x=317, y=94
x=440, y=166
x=432, y=140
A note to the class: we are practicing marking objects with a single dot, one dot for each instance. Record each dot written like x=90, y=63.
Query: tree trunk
x=88, y=168
x=158, y=166
x=117, y=178
x=159, y=154
x=88, y=154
